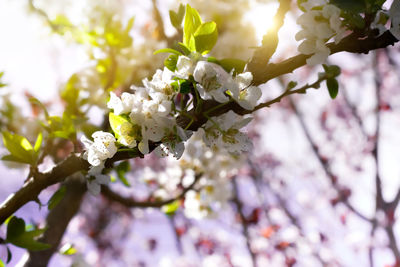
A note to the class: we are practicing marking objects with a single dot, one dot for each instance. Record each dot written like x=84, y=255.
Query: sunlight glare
x=261, y=16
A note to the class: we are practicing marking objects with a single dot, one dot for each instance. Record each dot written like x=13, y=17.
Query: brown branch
x=350, y=44
x=380, y=202
x=245, y=225
x=33, y=186
x=132, y=203
x=287, y=92
x=57, y=221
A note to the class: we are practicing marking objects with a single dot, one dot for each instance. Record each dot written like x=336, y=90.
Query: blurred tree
x=171, y=154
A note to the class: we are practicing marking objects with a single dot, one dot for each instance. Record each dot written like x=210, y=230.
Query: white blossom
x=248, y=95
x=213, y=82
x=184, y=67
x=223, y=131
x=380, y=21
x=96, y=179
x=102, y=148
x=121, y=105
x=318, y=27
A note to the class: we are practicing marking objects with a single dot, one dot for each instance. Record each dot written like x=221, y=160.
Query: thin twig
x=132, y=203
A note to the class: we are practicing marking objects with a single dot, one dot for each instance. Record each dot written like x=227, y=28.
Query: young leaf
x=38, y=142
x=56, y=197
x=115, y=122
x=354, y=6
x=171, y=61
x=15, y=228
x=230, y=64
x=185, y=87
x=176, y=18
x=19, y=147
x=68, y=249
x=206, y=37
x=173, y=17
x=171, y=208
x=185, y=50
x=18, y=236
x=192, y=22
x=122, y=169
x=9, y=255
x=37, y=102
x=333, y=87
x=129, y=25
x=167, y=50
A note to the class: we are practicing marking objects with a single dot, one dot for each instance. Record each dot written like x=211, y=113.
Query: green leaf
x=171, y=61
x=185, y=87
x=185, y=50
x=206, y=37
x=68, y=249
x=230, y=64
x=115, y=122
x=15, y=228
x=353, y=6
x=167, y=50
x=14, y=159
x=62, y=127
x=192, y=22
x=19, y=147
x=333, y=87
x=9, y=255
x=121, y=170
x=300, y=3
x=291, y=85
x=213, y=60
x=36, y=101
x=56, y=197
x=18, y=236
x=129, y=25
x=2, y=264
x=171, y=208
x=331, y=71
x=38, y=142
x=355, y=20
x=62, y=20
x=176, y=18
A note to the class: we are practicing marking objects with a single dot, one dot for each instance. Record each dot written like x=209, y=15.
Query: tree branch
x=58, y=220
x=33, y=186
x=132, y=203
x=245, y=225
x=351, y=43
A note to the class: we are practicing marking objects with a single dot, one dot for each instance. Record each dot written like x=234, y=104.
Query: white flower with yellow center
x=213, y=82
x=248, y=94
x=102, y=148
x=224, y=132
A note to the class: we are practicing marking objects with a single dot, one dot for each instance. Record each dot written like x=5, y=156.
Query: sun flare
x=261, y=16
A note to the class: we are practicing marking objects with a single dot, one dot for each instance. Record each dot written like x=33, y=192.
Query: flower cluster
x=213, y=167
x=319, y=25
x=217, y=166
x=149, y=114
